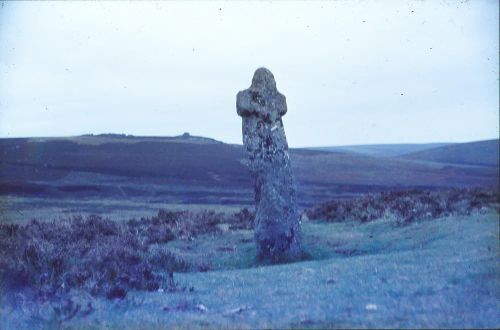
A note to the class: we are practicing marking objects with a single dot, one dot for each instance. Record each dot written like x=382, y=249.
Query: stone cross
x=277, y=222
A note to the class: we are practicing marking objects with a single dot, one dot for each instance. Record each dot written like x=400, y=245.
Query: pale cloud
x=162, y=68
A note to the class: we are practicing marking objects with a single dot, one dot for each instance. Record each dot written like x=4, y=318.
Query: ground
x=441, y=273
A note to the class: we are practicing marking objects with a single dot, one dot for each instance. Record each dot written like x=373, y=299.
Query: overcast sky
x=353, y=72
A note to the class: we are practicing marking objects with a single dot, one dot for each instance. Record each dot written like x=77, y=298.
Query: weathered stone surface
x=277, y=222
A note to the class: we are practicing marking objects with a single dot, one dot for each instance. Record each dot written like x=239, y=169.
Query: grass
x=434, y=274
x=22, y=209
x=90, y=272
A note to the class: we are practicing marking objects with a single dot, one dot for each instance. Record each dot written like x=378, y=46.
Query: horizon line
x=206, y=137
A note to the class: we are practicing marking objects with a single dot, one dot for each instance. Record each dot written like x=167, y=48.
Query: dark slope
x=484, y=153
x=183, y=170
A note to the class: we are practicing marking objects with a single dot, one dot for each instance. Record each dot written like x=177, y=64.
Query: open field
x=438, y=273
x=22, y=209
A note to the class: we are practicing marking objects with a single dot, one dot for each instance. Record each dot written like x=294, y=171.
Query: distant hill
x=187, y=169
x=95, y=139
x=383, y=150
x=485, y=153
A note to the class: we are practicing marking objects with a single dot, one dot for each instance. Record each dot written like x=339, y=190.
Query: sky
x=353, y=72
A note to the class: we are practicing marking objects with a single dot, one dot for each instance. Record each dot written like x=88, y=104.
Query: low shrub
x=243, y=219
x=104, y=257
x=95, y=254
x=168, y=225
x=406, y=206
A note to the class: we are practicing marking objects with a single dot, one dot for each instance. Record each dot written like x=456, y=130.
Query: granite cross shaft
x=277, y=222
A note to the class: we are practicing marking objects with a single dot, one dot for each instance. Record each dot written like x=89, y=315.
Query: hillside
x=188, y=169
x=485, y=153
x=383, y=150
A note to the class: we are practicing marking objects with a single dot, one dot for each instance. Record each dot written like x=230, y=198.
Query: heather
x=104, y=257
x=406, y=206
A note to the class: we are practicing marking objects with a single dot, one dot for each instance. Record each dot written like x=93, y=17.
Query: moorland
x=118, y=231
x=123, y=175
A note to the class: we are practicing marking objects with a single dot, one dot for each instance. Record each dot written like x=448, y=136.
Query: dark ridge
x=482, y=153
x=183, y=170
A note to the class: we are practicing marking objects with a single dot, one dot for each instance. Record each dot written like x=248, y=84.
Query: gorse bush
x=185, y=224
x=405, y=206
x=95, y=254
x=243, y=219
x=104, y=257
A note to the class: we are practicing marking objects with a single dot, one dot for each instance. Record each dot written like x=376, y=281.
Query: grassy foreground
x=435, y=273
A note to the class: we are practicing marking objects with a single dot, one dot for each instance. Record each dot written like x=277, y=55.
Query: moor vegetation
x=104, y=257
x=108, y=258
x=188, y=170
x=406, y=206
